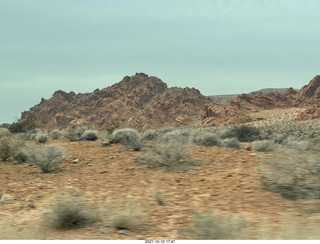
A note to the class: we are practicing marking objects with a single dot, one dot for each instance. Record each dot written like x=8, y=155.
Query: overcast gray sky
x=217, y=46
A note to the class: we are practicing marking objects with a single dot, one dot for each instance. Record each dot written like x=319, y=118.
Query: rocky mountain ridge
x=139, y=101
x=145, y=102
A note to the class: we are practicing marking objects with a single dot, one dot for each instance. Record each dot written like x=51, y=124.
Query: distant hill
x=226, y=98
x=139, y=101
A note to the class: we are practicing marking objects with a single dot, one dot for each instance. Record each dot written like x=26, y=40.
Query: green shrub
x=202, y=138
x=170, y=151
x=41, y=138
x=55, y=134
x=230, y=143
x=128, y=137
x=293, y=175
x=4, y=132
x=90, y=135
x=263, y=146
x=210, y=226
x=19, y=149
x=46, y=158
x=69, y=211
x=243, y=133
x=5, y=148
x=23, y=125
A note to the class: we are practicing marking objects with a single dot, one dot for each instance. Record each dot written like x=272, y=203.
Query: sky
x=216, y=46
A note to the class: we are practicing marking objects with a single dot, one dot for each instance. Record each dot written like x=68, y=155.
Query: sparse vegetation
x=206, y=138
x=211, y=226
x=23, y=125
x=170, y=151
x=230, y=143
x=128, y=137
x=243, y=133
x=90, y=135
x=293, y=175
x=5, y=148
x=263, y=146
x=41, y=137
x=55, y=134
x=128, y=215
x=69, y=211
x=47, y=158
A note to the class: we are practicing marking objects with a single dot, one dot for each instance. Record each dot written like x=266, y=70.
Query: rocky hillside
x=241, y=106
x=138, y=101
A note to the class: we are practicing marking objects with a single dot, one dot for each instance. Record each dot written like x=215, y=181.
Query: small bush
x=5, y=148
x=55, y=134
x=4, y=132
x=295, y=176
x=23, y=125
x=210, y=226
x=170, y=151
x=206, y=139
x=69, y=212
x=292, y=143
x=46, y=158
x=243, y=133
x=19, y=149
x=90, y=135
x=128, y=137
x=263, y=146
x=230, y=143
x=41, y=138
x=148, y=135
x=127, y=215
x=75, y=135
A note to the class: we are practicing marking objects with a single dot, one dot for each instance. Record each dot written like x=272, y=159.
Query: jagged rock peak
x=311, y=89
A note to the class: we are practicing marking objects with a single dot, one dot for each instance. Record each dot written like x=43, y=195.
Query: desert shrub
x=230, y=143
x=210, y=226
x=170, y=151
x=5, y=148
x=148, y=135
x=80, y=130
x=23, y=125
x=69, y=211
x=288, y=229
x=202, y=138
x=4, y=132
x=41, y=138
x=126, y=215
x=112, y=126
x=19, y=149
x=243, y=133
x=46, y=158
x=263, y=146
x=75, y=135
x=71, y=135
x=292, y=143
x=90, y=135
x=128, y=137
x=55, y=134
x=295, y=176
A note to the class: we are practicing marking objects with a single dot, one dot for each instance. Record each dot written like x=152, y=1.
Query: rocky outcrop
x=238, y=109
x=139, y=102
x=222, y=114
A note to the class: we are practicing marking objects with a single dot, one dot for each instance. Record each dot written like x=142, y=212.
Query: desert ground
x=156, y=204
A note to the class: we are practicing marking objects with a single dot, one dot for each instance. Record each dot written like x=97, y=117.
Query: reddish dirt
x=227, y=183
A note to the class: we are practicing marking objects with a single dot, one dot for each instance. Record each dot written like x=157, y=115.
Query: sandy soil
x=228, y=182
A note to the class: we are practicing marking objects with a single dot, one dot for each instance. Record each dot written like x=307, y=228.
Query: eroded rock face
x=238, y=109
x=223, y=114
x=139, y=102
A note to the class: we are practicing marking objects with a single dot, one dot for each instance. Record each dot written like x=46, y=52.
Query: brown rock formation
x=222, y=114
x=138, y=101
